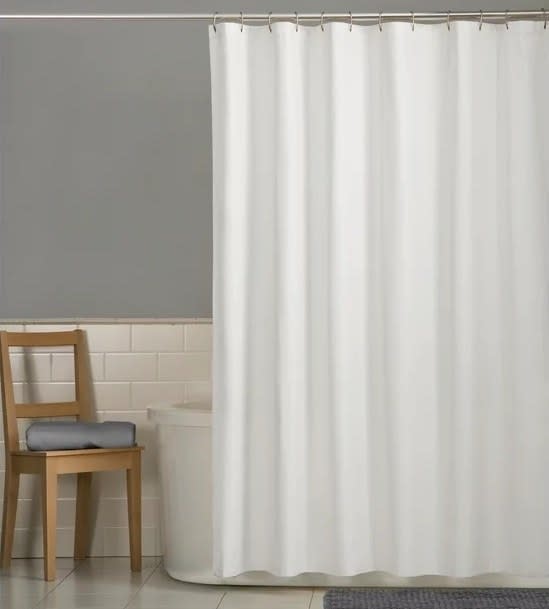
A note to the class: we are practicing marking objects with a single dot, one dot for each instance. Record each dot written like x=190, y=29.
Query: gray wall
x=105, y=158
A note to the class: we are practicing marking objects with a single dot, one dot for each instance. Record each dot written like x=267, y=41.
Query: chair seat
x=46, y=436
x=84, y=451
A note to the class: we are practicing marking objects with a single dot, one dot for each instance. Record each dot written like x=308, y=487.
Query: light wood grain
x=47, y=409
x=11, y=493
x=49, y=517
x=82, y=520
x=133, y=479
x=43, y=339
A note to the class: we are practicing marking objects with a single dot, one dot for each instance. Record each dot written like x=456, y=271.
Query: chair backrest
x=80, y=407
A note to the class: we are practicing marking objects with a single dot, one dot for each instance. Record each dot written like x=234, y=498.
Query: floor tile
x=115, y=564
x=163, y=592
x=317, y=601
x=18, y=602
x=184, y=599
x=23, y=585
x=32, y=570
x=83, y=601
x=108, y=583
x=31, y=576
x=34, y=567
x=116, y=584
x=267, y=598
x=110, y=577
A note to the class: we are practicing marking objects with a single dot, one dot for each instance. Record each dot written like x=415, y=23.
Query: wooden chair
x=50, y=464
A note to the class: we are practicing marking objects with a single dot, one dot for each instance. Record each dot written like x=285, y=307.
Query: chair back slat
x=47, y=409
x=42, y=339
x=80, y=407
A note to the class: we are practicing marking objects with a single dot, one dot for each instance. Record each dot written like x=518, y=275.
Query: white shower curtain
x=381, y=298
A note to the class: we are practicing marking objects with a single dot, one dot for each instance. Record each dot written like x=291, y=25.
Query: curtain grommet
x=241, y=22
x=379, y=22
x=481, y=15
x=213, y=23
x=350, y=21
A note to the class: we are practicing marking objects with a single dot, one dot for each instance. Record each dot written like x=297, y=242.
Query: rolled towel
x=72, y=435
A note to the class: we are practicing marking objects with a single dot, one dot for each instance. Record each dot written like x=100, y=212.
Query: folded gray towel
x=67, y=435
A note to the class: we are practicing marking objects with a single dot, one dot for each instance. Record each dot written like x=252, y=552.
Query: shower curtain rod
x=431, y=17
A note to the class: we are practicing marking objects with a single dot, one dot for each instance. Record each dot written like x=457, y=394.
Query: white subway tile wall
x=132, y=366
x=195, y=366
x=198, y=337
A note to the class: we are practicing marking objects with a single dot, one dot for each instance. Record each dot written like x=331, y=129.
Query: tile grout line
x=75, y=566
x=133, y=596
x=130, y=391
x=221, y=599
x=311, y=599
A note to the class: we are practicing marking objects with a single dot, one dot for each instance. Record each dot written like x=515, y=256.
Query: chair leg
x=82, y=522
x=133, y=479
x=49, y=519
x=11, y=492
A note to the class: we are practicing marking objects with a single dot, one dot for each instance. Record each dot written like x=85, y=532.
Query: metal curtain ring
x=448, y=20
x=322, y=20
x=296, y=22
x=350, y=21
x=379, y=23
x=413, y=21
x=544, y=18
x=506, y=20
x=270, y=27
x=214, y=18
x=241, y=21
x=480, y=21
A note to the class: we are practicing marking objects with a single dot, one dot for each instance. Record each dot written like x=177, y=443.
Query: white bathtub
x=185, y=465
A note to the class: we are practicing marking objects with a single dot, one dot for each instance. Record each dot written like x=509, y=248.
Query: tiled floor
x=107, y=583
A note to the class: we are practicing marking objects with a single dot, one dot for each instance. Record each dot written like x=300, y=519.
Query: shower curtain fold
x=381, y=299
